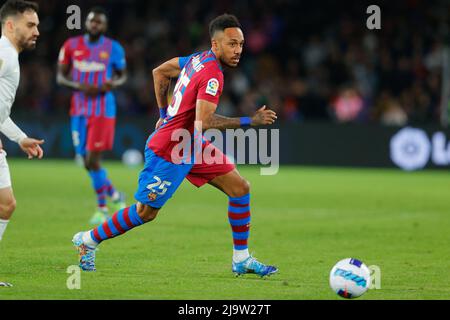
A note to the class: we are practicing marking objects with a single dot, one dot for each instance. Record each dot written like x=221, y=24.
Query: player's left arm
x=118, y=79
x=31, y=146
x=206, y=117
x=209, y=91
x=119, y=65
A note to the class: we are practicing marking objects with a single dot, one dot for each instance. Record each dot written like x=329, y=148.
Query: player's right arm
x=63, y=74
x=63, y=77
x=161, y=79
x=64, y=66
x=29, y=145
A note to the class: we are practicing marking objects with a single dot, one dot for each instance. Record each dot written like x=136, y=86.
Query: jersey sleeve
x=6, y=61
x=118, y=56
x=210, y=86
x=11, y=130
x=3, y=64
x=5, y=102
x=183, y=60
x=65, y=53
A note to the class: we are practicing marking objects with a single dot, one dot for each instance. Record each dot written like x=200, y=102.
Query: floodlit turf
x=303, y=220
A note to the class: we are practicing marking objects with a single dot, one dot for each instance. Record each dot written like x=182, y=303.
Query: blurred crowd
x=308, y=60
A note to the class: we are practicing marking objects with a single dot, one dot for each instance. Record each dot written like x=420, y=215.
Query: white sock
x=87, y=240
x=3, y=225
x=103, y=209
x=115, y=196
x=240, y=255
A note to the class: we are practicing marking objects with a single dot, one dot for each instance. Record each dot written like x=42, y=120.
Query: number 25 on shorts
x=159, y=187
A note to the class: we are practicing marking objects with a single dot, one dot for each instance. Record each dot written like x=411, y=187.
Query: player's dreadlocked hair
x=222, y=22
x=14, y=7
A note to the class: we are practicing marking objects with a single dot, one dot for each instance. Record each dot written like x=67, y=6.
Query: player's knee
x=91, y=164
x=11, y=206
x=87, y=164
x=8, y=208
x=92, y=161
x=241, y=189
x=245, y=187
x=147, y=213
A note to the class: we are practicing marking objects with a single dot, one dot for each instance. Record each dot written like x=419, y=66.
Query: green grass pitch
x=304, y=220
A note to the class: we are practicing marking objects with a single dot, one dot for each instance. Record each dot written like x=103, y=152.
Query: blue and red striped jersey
x=92, y=63
x=201, y=78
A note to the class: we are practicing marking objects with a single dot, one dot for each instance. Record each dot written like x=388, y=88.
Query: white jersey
x=9, y=77
x=9, y=81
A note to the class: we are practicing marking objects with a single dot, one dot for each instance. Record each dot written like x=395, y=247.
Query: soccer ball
x=350, y=278
x=132, y=158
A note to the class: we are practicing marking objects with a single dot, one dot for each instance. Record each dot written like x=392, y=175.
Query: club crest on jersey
x=212, y=87
x=104, y=55
x=152, y=196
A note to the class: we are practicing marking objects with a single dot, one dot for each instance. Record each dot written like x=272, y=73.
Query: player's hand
x=106, y=87
x=89, y=90
x=263, y=116
x=32, y=147
x=159, y=123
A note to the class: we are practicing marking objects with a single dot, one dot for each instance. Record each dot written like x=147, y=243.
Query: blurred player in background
x=93, y=65
x=195, y=99
x=19, y=21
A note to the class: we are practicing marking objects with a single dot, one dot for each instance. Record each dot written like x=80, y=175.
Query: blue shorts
x=159, y=180
x=78, y=126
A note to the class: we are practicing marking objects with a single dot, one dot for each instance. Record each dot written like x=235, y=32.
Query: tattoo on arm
x=162, y=76
x=162, y=91
x=216, y=121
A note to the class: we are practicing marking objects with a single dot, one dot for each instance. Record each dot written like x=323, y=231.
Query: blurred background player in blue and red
x=92, y=65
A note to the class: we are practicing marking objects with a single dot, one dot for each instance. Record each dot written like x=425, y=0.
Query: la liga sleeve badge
x=212, y=87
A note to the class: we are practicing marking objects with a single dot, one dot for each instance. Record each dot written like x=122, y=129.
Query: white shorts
x=5, y=177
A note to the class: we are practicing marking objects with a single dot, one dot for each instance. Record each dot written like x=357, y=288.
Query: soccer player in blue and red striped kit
x=93, y=65
x=195, y=99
